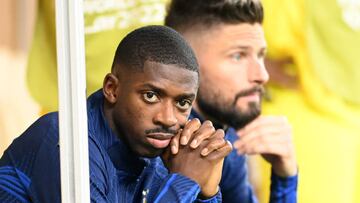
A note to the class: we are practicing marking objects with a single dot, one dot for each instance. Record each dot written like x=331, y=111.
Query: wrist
x=285, y=168
x=207, y=193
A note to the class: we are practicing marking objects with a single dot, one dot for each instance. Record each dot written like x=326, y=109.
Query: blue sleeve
x=13, y=185
x=234, y=184
x=283, y=190
x=178, y=188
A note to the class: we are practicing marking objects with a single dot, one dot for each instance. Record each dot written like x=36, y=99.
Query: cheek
x=233, y=77
x=182, y=117
x=138, y=115
x=134, y=112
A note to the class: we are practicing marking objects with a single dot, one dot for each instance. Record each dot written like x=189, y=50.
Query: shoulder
x=35, y=147
x=43, y=131
x=30, y=155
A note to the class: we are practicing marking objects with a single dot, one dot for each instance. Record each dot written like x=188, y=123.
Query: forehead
x=244, y=34
x=169, y=77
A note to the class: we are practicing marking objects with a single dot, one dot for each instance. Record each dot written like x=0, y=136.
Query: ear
x=111, y=87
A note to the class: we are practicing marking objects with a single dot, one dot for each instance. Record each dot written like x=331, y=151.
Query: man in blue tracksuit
x=144, y=103
x=229, y=43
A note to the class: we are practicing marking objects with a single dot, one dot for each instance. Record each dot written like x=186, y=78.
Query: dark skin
x=150, y=107
x=208, y=156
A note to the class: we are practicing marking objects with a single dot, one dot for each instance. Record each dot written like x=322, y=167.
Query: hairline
x=116, y=68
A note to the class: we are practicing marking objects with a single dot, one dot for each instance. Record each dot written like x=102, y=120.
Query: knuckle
x=220, y=133
x=216, y=143
x=186, y=132
x=208, y=123
x=212, y=145
x=220, y=141
x=196, y=121
x=211, y=128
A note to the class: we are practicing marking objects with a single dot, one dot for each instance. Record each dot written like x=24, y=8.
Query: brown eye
x=183, y=104
x=150, y=97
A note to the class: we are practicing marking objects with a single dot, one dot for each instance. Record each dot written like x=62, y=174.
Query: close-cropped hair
x=186, y=14
x=154, y=43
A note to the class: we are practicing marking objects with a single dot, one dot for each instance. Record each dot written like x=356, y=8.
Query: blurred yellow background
x=17, y=109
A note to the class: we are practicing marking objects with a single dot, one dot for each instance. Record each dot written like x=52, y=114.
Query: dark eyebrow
x=162, y=91
x=186, y=96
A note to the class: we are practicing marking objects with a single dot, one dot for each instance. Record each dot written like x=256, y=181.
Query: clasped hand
x=198, y=152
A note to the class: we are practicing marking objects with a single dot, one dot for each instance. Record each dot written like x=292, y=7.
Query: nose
x=257, y=72
x=166, y=115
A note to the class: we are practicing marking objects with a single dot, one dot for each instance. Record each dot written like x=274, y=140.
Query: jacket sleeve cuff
x=179, y=187
x=284, y=187
x=214, y=199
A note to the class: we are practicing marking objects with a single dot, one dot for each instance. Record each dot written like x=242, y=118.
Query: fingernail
x=204, y=151
x=193, y=144
x=173, y=149
x=183, y=141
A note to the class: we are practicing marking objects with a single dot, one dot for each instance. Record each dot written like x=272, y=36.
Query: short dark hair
x=185, y=14
x=154, y=43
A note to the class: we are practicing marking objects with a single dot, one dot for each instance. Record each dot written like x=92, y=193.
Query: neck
x=205, y=116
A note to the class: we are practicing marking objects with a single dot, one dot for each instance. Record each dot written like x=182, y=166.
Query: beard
x=227, y=112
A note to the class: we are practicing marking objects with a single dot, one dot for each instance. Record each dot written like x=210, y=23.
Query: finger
x=253, y=137
x=216, y=142
x=188, y=130
x=175, y=143
x=274, y=149
x=205, y=131
x=264, y=132
x=263, y=122
x=276, y=145
x=221, y=152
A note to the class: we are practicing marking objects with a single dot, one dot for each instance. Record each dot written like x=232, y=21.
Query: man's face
x=152, y=105
x=231, y=59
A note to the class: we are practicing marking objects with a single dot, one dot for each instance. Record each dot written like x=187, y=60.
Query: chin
x=152, y=153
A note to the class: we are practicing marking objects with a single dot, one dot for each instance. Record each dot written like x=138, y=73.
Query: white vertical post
x=74, y=159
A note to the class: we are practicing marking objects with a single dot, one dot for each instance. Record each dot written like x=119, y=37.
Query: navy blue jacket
x=30, y=169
